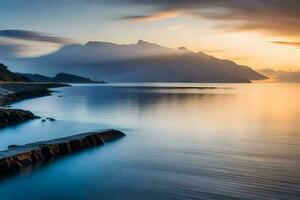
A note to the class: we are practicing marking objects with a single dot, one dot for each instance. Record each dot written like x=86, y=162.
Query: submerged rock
x=51, y=119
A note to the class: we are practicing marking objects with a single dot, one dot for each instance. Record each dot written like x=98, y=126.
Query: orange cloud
x=275, y=17
x=296, y=44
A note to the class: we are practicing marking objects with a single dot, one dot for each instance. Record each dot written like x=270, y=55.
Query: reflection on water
x=240, y=143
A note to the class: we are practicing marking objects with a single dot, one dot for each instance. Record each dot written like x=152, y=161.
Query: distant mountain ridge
x=8, y=76
x=140, y=62
x=60, y=78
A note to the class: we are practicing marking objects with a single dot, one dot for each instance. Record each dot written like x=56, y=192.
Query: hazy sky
x=258, y=33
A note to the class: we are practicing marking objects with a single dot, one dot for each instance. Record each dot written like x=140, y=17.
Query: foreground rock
x=18, y=157
x=14, y=116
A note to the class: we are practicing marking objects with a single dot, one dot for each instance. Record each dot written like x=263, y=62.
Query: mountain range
x=140, y=62
x=59, y=78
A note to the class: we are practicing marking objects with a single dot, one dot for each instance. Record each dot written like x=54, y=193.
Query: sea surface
x=239, y=141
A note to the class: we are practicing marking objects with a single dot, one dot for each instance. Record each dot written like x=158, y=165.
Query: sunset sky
x=258, y=33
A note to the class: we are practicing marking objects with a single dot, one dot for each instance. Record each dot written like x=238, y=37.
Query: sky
x=258, y=33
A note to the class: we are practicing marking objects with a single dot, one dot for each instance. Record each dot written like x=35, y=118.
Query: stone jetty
x=18, y=157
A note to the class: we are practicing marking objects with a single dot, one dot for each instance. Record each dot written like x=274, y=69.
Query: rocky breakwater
x=18, y=157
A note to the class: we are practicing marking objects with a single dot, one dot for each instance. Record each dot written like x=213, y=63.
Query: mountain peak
x=97, y=43
x=145, y=43
x=142, y=42
x=182, y=48
x=89, y=43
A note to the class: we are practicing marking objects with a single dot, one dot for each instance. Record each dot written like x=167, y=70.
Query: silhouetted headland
x=59, y=78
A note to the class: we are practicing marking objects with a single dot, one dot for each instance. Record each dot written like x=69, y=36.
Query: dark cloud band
x=32, y=36
x=296, y=44
x=277, y=17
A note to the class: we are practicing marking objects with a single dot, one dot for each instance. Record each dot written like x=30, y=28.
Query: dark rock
x=5, y=166
x=24, y=158
x=51, y=119
x=99, y=139
x=14, y=116
x=64, y=148
x=37, y=155
x=15, y=165
x=111, y=135
x=12, y=146
x=18, y=157
x=50, y=151
x=76, y=144
x=43, y=120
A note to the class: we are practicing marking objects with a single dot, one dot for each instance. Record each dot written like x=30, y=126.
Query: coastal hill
x=59, y=78
x=140, y=62
x=8, y=76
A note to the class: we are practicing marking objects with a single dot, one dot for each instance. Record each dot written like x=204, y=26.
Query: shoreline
x=18, y=157
x=13, y=92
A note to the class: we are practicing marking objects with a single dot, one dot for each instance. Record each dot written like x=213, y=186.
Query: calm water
x=238, y=143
